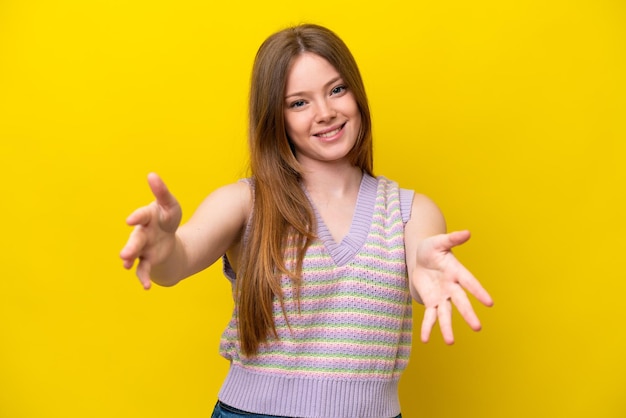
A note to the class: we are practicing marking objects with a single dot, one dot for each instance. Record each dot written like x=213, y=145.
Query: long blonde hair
x=282, y=211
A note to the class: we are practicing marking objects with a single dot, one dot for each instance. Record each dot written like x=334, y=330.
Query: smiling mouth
x=330, y=134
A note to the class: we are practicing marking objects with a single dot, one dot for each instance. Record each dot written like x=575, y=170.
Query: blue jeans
x=225, y=411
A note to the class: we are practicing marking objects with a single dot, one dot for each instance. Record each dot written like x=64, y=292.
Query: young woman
x=323, y=256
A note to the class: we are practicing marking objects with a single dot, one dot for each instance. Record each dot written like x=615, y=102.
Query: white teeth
x=329, y=134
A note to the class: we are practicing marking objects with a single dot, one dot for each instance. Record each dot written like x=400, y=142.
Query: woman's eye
x=338, y=90
x=296, y=104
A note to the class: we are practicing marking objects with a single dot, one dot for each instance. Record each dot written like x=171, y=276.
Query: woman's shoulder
x=239, y=193
x=426, y=215
x=231, y=203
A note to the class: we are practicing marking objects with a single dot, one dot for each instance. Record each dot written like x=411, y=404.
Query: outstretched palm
x=440, y=280
x=152, y=239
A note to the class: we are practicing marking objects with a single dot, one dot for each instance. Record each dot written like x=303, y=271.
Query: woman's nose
x=325, y=111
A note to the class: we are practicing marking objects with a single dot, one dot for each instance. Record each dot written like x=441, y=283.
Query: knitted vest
x=342, y=354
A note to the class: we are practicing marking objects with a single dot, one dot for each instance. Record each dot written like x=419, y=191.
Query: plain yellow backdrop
x=510, y=115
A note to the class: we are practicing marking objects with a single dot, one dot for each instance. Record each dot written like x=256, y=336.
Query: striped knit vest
x=342, y=354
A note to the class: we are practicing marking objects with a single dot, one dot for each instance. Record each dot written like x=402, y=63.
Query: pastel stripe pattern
x=351, y=330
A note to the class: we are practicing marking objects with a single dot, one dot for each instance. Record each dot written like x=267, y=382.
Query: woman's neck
x=333, y=181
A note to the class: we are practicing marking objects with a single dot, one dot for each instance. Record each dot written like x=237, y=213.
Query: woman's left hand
x=439, y=280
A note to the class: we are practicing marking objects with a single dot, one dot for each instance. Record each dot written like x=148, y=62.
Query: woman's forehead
x=310, y=71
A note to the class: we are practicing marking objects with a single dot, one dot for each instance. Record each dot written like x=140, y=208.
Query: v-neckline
x=345, y=250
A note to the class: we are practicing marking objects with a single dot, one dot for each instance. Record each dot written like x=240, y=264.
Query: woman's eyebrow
x=301, y=93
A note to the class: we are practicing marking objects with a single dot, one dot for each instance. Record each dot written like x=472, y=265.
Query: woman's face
x=321, y=115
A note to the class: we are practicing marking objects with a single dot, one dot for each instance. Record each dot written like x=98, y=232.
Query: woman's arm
x=436, y=278
x=167, y=253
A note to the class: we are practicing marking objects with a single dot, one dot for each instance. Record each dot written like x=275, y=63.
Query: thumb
x=160, y=191
x=459, y=237
x=452, y=239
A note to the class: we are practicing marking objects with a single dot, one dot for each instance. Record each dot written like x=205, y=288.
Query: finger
x=160, y=191
x=445, y=242
x=464, y=307
x=128, y=262
x=134, y=246
x=143, y=273
x=141, y=216
x=473, y=286
x=430, y=317
x=444, y=314
x=459, y=237
x=456, y=238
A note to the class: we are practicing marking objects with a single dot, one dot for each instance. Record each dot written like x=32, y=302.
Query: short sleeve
x=406, y=203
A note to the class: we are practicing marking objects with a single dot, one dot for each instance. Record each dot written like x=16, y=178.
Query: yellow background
x=510, y=115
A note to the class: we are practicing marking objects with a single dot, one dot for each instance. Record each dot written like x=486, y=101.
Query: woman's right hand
x=154, y=235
